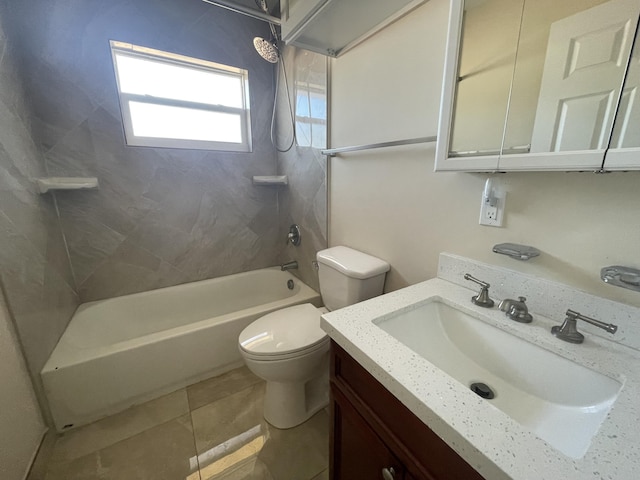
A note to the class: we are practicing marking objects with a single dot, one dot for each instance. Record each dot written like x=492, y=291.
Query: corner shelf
x=270, y=180
x=66, y=183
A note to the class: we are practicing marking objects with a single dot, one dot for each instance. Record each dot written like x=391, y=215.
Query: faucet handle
x=482, y=299
x=568, y=331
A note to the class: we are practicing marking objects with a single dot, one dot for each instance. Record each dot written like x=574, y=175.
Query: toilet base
x=287, y=405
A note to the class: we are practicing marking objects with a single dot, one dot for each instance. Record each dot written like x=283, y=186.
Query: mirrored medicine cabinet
x=541, y=85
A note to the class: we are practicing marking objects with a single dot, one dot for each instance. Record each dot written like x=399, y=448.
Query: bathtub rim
x=68, y=354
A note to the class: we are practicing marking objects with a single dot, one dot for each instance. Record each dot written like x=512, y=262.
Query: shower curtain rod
x=250, y=12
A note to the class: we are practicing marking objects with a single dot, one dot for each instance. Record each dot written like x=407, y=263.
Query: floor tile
x=323, y=476
x=43, y=457
x=225, y=437
x=257, y=450
x=298, y=453
x=111, y=430
x=221, y=386
x=229, y=423
x=251, y=468
x=165, y=452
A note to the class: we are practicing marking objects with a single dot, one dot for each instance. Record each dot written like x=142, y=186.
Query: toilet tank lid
x=351, y=262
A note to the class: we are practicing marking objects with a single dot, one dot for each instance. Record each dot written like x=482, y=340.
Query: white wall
x=21, y=425
x=390, y=203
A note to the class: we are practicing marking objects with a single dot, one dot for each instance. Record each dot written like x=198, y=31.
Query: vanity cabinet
x=332, y=27
x=537, y=85
x=374, y=436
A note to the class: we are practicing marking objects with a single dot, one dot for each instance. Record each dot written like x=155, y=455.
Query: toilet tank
x=348, y=276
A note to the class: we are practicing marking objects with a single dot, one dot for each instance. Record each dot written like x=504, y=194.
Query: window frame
x=134, y=51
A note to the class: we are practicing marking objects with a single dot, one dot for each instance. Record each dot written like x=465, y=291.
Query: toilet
x=288, y=349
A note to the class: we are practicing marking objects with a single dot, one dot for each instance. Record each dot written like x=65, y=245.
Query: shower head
x=267, y=50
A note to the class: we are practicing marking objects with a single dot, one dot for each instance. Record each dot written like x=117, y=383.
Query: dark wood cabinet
x=352, y=433
x=372, y=431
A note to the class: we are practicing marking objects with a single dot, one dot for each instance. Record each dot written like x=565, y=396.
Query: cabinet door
x=362, y=409
x=533, y=85
x=357, y=452
x=578, y=80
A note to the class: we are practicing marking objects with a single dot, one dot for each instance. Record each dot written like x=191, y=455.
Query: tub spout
x=289, y=266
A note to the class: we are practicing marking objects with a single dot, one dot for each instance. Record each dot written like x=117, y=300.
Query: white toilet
x=289, y=350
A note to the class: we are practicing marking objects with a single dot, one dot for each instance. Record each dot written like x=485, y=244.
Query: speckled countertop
x=487, y=438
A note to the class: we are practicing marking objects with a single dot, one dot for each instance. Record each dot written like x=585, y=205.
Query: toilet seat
x=290, y=332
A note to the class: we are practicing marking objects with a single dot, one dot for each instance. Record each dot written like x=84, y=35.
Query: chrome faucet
x=289, y=266
x=482, y=299
x=568, y=331
x=516, y=309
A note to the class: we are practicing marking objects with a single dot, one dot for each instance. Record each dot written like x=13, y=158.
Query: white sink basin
x=561, y=401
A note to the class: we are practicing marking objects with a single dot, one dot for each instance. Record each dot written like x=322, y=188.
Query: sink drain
x=483, y=390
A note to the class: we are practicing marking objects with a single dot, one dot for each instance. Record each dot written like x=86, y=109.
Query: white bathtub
x=122, y=351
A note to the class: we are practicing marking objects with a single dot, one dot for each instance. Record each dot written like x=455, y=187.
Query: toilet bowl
x=293, y=361
x=288, y=349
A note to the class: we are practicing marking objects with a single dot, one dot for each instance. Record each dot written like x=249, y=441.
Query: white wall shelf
x=270, y=180
x=66, y=183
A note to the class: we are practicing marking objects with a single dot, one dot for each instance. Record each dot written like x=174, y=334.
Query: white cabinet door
x=564, y=93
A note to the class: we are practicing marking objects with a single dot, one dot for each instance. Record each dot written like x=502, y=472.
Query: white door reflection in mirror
x=626, y=132
x=585, y=61
x=624, y=149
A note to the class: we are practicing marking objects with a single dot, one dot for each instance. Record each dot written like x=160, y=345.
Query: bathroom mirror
x=624, y=150
x=533, y=84
x=487, y=57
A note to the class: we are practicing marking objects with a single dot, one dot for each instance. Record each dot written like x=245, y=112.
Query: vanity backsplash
x=547, y=298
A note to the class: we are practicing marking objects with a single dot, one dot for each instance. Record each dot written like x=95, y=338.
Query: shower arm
x=250, y=12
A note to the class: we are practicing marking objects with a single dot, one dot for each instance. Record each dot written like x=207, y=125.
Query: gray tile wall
x=34, y=267
x=161, y=216
x=305, y=200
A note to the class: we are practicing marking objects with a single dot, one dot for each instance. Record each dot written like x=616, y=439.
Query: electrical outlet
x=492, y=216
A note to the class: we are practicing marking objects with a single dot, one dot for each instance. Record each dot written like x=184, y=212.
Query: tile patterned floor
x=213, y=430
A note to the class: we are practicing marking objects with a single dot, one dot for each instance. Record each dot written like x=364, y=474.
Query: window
x=169, y=100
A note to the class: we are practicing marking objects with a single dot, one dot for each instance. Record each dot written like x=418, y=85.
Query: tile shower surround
x=305, y=200
x=161, y=216
x=34, y=269
x=210, y=430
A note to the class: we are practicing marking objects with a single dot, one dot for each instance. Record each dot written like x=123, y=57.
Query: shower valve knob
x=294, y=236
